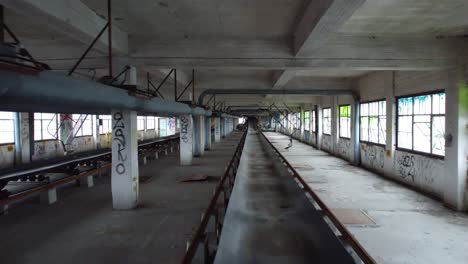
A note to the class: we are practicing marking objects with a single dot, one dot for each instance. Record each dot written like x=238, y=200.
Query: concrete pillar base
x=87, y=181
x=49, y=197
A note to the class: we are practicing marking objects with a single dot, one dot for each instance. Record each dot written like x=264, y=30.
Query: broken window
x=45, y=126
x=373, y=122
x=345, y=121
x=83, y=125
x=314, y=121
x=307, y=120
x=7, y=128
x=421, y=123
x=326, y=121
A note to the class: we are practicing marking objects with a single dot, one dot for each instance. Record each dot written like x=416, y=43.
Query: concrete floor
x=83, y=228
x=410, y=227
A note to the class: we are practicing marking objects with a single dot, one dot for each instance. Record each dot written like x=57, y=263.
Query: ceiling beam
x=281, y=78
x=71, y=18
x=322, y=19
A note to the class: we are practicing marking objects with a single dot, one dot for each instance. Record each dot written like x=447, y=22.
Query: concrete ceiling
x=258, y=44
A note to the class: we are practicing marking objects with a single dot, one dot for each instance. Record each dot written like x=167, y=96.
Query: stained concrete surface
x=269, y=219
x=411, y=227
x=83, y=228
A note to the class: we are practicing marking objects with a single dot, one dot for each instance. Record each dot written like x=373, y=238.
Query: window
x=314, y=121
x=45, y=126
x=106, y=126
x=307, y=120
x=150, y=123
x=345, y=121
x=421, y=123
x=7, y=128
x=326, y=121
x=141, y=123
x=373, y=120
x=83, y=125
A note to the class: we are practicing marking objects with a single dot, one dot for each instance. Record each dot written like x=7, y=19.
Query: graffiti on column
x=184, y=128
x=118, y=135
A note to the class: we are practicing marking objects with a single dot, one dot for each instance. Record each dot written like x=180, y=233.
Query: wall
x=423, y=172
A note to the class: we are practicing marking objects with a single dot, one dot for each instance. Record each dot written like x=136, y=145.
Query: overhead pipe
x=274, y=92
x=51, y=92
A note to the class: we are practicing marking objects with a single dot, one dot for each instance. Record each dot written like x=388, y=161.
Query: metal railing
x=346, y=237
x=224, y=186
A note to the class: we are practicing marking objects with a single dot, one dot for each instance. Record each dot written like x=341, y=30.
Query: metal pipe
x=45, y=92
x=2, y=28
x=320, y=92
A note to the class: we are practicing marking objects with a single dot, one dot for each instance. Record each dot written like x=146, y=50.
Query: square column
x=186, y=140
x=217, y=125
x=223, y=127
x=124, y=181
x=207, y=133
x=456, y=141
x=199, y=136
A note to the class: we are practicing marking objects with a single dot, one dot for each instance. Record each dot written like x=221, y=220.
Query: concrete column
x=26, y=138
x=207, y=133
x=186, y=140
x=391, y=109
x=236, y=123
x=199, y=123
x=355, y=132
x=223, y=127
x=319, y=126
x=456, y=141
x=124, y=159
x=96, y=135
x=301, y=123
x=217, y=127
x=18, y=142
x=334, y=124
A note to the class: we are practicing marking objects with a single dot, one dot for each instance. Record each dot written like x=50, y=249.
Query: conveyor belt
x=63, y=161
x=269, y=218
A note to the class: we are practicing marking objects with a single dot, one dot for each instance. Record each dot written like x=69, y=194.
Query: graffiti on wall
x=373, y=156
x=406, y=166
x=119, y=136
x=420, y=170
x=184, y=123
x=344, y=148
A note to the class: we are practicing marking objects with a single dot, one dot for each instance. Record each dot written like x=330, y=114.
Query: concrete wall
x=47, y=149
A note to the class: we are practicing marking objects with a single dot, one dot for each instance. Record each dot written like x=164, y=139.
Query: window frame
x=323, y=120
x=13, y=128
x=154, y=123
x=101, y=127
x=75, y=133
x=42, y=128
x=144, y=123
x=360, y=115
x=339, y=121
x=314, y=121
x=307, y=128
x=422, y=153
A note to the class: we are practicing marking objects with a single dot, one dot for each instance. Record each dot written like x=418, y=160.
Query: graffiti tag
x=118, y=135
